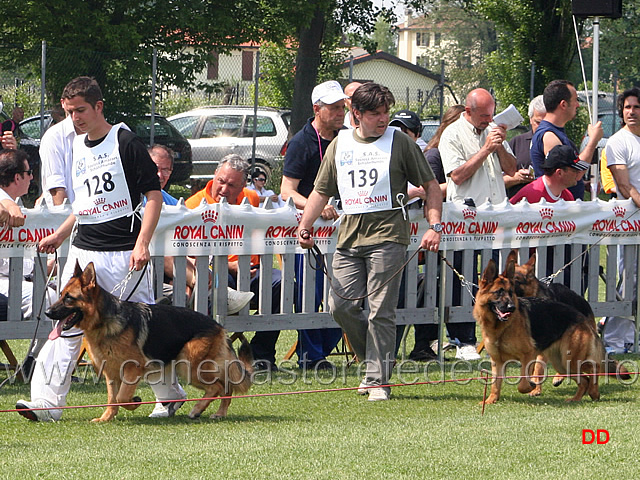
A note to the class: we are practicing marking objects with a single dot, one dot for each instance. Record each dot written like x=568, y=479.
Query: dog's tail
x=241, y=373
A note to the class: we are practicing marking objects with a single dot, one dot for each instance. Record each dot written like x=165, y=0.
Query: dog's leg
x=538, y=372
x=497, y=371
x=526, y=385
x=224, y=405
x=113, y=385
x=210, y=391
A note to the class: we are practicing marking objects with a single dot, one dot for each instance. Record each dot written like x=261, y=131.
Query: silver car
x=214, y=132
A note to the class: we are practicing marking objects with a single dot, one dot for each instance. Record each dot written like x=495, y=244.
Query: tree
x=325, y=18
x=620, y=46
x=113, y=41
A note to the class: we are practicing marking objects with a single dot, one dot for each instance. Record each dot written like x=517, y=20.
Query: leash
x=463, y=281
x=122, y=286
x=321, y=265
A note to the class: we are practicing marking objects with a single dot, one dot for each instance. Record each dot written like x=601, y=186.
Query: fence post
x=256, y=91
x=154, y=72
x=43, y=75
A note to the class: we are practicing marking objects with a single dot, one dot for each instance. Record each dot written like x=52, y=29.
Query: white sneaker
x=362, y=390
x=378, y=394
x=468, y=353
x=236, y=300
x=161, y=411
x=52, y=415
x=446, y=346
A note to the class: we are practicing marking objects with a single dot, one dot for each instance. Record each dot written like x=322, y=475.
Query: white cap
x=328, y=93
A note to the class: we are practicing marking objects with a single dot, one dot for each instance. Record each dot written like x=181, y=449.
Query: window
x=186, y=125
x=422, y=39
x=436, y=40
x=212, y=66
x=423, y=61
x=247, y=65
x=264, y=127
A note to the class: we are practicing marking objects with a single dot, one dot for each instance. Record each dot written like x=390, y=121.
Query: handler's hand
x=139, y=257
x=305, y=239
x=49, y=244
x=329, y=213
x=431, y=241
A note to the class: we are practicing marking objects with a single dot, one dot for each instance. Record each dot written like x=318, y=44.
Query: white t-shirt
x=56, y=155
x=459, y=142
x=623, y=148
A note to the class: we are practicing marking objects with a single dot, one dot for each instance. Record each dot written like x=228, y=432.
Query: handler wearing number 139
x=370, y=167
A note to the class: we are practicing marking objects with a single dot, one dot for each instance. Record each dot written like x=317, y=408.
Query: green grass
x=424, y=431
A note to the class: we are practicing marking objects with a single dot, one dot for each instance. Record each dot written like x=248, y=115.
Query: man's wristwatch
x=304, y=234
x=436, y=227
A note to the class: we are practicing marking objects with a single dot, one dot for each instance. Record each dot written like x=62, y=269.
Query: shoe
x=446, y=346
x=52, y=415
x=264, y=366
x=322, y=364
x=423, y=355
x=236, y=300
x=468, y=353
x=379, y=394
x=162, y=411
x=362, y=389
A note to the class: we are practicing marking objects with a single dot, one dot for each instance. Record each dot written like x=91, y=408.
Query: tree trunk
x=307, y=63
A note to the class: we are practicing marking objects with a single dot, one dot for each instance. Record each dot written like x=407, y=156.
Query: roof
x=380, y=55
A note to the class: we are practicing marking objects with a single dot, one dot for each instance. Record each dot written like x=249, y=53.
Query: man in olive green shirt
x=370, y=167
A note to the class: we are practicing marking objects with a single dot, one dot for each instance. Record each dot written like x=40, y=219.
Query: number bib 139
x=363, y=173
x=99, y=182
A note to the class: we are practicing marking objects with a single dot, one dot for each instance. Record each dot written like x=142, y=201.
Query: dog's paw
x=535, y=392
x=557, y=380
x=217, y=416
x=194, y=416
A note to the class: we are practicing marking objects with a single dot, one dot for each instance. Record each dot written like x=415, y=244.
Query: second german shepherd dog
x=127, y=340
x=522, y=328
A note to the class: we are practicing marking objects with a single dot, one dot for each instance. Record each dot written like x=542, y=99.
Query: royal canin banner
x=223, y=229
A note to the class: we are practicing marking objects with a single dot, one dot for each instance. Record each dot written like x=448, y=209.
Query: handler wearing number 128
x=370, y=167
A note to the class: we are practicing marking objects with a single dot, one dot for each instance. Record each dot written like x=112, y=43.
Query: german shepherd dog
x=527, y=285
x=522, y=328
x=128, y=340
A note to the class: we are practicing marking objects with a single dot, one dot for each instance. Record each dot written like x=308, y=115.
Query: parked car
x=218, y=131
x=429, y=128
x=164, y=133
x=611, y=123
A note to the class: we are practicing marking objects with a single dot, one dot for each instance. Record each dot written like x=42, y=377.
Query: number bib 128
x=363, y=173
x=99, y=182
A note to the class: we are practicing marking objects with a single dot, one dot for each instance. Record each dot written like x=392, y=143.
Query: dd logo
x=599, y=436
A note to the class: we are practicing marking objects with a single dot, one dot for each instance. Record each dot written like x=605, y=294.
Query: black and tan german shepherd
x=522, y=328
x=127, y=340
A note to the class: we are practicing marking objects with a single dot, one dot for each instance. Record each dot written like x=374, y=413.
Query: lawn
x=425, y=431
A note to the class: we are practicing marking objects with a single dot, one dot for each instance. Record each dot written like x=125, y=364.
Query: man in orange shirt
x=230, y=182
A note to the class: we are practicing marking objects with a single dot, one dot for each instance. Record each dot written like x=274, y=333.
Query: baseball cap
x=328, y=93
x=562, y=156
x=407, y=118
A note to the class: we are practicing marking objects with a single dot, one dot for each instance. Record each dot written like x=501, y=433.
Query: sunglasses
x=260, y=179
x=28, y=172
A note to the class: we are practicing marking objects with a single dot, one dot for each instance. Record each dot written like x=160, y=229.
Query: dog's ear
x=513, y=256
x=510, y=270
x=88, y=278
x=77, y=270
x=532, y=262
x=490, y=273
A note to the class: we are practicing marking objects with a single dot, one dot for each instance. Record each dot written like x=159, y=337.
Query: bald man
x=349, y=119
x=475, y=154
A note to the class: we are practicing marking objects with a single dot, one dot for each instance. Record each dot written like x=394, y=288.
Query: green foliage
x=277, y=73
x=113, y=41
x=528, y=31
x=619, y=46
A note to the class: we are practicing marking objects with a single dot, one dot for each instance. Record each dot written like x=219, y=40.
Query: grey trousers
x=356, y=272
